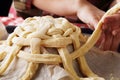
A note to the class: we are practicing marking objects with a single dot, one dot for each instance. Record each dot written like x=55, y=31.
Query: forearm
x=59, y=7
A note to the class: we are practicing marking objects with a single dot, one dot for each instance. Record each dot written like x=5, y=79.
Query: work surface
x=105, y=64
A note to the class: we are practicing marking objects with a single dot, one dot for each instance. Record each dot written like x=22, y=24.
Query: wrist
x=80, y=5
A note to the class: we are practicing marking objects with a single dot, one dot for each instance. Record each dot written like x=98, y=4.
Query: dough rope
x=49, y=32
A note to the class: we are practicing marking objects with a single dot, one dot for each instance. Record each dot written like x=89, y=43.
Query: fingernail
x=104, y=27
x=114, y=32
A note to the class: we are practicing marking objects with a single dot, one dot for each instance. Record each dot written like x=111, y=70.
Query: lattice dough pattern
x=40, y=32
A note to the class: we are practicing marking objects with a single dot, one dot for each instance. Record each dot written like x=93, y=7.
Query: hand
x=110, y=38
x=90, y=15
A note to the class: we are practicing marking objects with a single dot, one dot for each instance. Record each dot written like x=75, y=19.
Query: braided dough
x=39, y=33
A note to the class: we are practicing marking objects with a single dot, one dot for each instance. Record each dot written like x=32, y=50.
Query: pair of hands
x=110, y=37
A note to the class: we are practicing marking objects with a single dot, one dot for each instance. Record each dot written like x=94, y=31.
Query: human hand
x=90, y=15
x=110, y=38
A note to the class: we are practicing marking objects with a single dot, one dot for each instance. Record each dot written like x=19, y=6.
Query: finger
x=108, y=41
x=100, y=42
x=101, y=46
x=106, y=28
x=112, y=20
x=91, y=26
x=115, y=42
x=116, y=31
